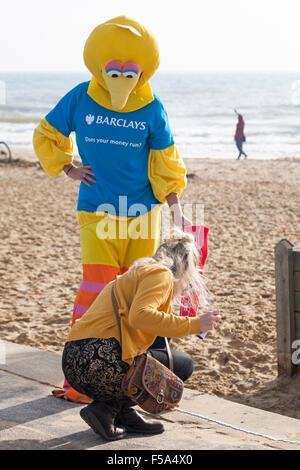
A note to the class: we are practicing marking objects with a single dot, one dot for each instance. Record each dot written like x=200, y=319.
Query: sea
x=200, y=107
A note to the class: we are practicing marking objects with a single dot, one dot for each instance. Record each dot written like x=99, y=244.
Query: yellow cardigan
x=144, y=299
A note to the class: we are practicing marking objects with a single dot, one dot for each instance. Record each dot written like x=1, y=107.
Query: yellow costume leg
x=143, y=237
x=100, y=262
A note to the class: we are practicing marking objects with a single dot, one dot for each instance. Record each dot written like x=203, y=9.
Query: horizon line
x=160, y=71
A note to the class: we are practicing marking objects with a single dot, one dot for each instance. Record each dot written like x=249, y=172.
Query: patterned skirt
x=94, y=367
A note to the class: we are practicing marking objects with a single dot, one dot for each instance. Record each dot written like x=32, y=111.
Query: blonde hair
x=180, y=256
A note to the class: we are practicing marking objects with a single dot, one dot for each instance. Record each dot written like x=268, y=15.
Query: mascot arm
x=53, y=149
x=167, y=172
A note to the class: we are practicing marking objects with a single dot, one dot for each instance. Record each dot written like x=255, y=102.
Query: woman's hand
x=81, y=173
x=209, y=320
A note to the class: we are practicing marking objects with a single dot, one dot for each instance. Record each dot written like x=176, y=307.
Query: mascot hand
x=180, y=220
x=81, y=173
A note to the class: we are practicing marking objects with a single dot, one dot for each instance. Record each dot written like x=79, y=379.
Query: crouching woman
x=94, y=362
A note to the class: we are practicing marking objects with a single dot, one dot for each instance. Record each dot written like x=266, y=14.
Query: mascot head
x=122, y=55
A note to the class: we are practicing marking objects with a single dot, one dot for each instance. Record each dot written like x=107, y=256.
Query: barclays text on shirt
x=116, y=122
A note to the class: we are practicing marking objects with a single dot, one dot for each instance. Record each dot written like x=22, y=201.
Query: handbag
x=149, y=383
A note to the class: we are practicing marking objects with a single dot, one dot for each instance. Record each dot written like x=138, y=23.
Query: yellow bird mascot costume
x=130, y=163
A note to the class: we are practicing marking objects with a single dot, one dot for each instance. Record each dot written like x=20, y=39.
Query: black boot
x=133, y=422
x=100, y=416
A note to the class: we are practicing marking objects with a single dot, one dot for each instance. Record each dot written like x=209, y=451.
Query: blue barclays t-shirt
x=116, y=146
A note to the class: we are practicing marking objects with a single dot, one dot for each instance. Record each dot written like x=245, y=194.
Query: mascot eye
x=130, y=73
x=113, y=73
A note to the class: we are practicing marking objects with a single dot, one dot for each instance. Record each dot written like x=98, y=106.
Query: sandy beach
x=249, y=207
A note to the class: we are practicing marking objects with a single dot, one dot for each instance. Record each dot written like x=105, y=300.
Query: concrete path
x=32, y=418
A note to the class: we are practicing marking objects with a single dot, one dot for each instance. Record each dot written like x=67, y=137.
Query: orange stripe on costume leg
x=100, y=272
x=86, y=298
x=83, y=299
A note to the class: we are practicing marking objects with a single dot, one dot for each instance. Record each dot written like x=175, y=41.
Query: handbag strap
x=171, y=366
x=115, y=305
x=116, y=310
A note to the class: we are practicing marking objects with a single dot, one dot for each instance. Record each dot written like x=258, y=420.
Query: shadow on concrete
x=34, y=409
x=27, y=412
x=77, y=441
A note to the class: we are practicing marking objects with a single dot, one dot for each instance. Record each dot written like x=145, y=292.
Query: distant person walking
x=239, y=135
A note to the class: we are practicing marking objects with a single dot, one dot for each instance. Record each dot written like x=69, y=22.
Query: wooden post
x=296, y=264
x=285, y=302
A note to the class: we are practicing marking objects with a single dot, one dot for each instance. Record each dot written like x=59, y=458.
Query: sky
x=194, y=35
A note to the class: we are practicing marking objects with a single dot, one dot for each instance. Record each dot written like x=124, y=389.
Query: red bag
x=189, y=305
